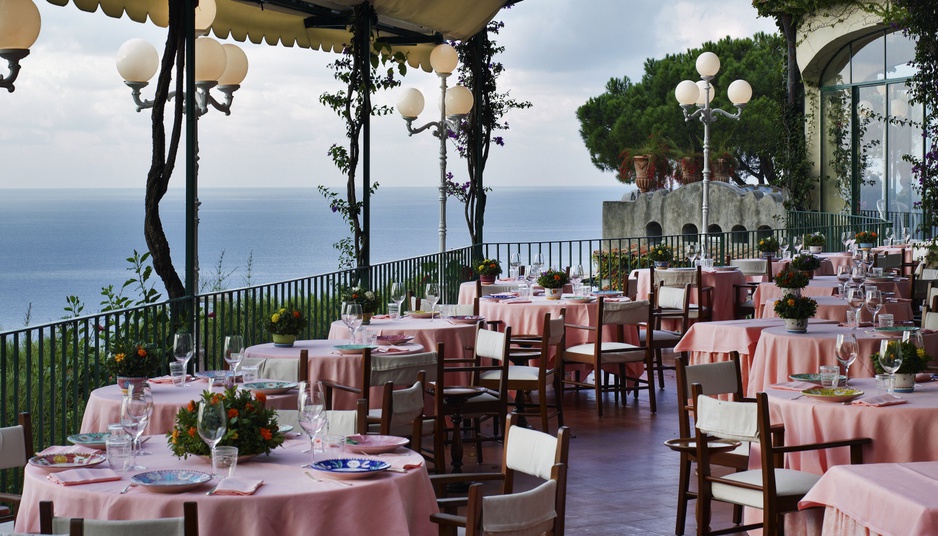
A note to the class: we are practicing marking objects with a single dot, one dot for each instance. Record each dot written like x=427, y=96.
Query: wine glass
x=183, y=350
x=576, y=276
x=858, y=274
x=890, y=358
x=136, y=407
x=874, y=302
x=890, y=236
x=847, y=350
x=856, y=299
x=537, y=261
x=352, y=317
x=843, y=277
x=692, y=254
x=514, y=261
x=797, y=244
x=397, y=296
x=906, y=235
x=433, y=296
x=312, y=414
x=212, y=422
x=234, y=352
x=845, y=239
x=783, y=245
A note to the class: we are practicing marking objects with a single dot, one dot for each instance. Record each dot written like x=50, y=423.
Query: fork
x=127, y=488
x=796, y=397
x=307, y=473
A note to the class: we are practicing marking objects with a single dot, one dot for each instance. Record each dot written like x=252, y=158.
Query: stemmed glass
x=576, y=276
x=890, y=236
x=890, y=358
x=537, y=261
x=352, y=317
x=845, y=239
x=692, y=254
x=858, y=274
x=843, y=277
x=783, y=245
x=906, y=235
x=212, y=422
x=514, y=261
x=847, y=350
x=135, y=414
x=874, y=302
x=855, y=298
x=397, y=296
x=234, y=353
x=312, y=413
x=797, y=244
x=183, y=350
x=433, y=296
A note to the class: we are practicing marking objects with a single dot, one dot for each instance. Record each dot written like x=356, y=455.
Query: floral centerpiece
x=252, y=427
x=488, y=269
x=927, y=253
x=661, y=254
x=866, y=238
x=816, y=242
x=284, y=325
x=791, y=279
x=914, y=361
x=768, y=244
x=362, y=296
x=806, y=263
x=553, y=282
x=796, y=310
x=131, y=363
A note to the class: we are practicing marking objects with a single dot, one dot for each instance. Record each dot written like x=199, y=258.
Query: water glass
x=119, y=452
x=886, y=320
x=852, y=319
x=883, y=383
x=177, y=371
x=394, y=310
x=249, y=373
x=333, y=446
x=224, y=461
x=830, y=376
x=368, y=337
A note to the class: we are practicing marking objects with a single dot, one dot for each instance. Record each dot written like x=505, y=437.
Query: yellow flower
x=481, y=267
x=275, y=318
x=119, y=357
x=282, y=310
x=791, y=302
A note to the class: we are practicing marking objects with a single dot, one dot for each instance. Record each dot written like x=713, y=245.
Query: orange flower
x=232, y=413
x=191, y=406
x=791, y=302
x=557, y=277
x=248, y=407
x=119, y=357
x=216, y=397
x=141, y=352
x=265, y=433
x=874, y=234
x=175, y=435
x=296, y=314
x=192, y=431
x=261, y=397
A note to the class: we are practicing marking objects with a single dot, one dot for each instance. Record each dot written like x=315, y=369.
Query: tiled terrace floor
x=622, y=480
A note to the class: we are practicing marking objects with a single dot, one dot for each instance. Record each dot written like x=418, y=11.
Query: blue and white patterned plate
x=171, y=480
x=270, y=387
x=54, y=463
x=351, y=468
x=95, y=440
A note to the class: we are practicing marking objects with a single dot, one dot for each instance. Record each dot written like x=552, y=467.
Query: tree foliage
x=628, y=113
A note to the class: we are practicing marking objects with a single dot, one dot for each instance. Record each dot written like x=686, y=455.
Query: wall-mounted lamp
x=19, y=27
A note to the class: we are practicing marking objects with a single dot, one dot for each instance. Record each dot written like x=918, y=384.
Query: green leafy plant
x=791, y=306
x=768, y=244
x=815, y=239
x=661, y=253
x=252, y=427
x=132, y=359
x=866, y=237
x=914, y=360
x=658, y=152
x=286, y=321
x=806, y=263
x=487, y=267
x=789, y=278
x=553, y=279
x=360, y=295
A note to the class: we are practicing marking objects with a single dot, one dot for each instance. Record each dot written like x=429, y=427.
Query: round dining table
x=835, y=308
x=288, y=502
x=104, y=405
x=426, y=332
x=723, y=281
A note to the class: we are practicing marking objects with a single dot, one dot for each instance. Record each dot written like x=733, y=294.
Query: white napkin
x=794, y=386
x=879, y=401
x=237, y=486
x=73, y=477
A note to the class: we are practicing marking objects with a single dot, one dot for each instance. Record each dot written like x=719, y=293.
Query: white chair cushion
x=530, y=451
x=787, y=483
x=613, y=352
x=515, y=373
x=671, y=298
x=12, y=447
x=729, y=420
x=150, y=527
x=661, y=335
x=519, y=514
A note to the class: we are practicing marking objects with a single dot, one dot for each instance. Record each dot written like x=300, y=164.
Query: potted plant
x=648, y=166
x=914, y=361
x=806, y=263
x=252, y=426
x=488, y=270
x=866, y=239
x=722, y=164
x=815, y=242
x=284, y=325
x=364, y=297
x=796, y=310
x=132, y=363
x=768, y=246
x=553, y=282
x=793, y=280
x=691, y=169
x=661, y=255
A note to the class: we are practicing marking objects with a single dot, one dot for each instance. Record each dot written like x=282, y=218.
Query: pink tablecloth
x=901, y=433
x=838, y=259
x=894, y=499
x=724, y=294
x=426, y=332
x=326, y=363
x=709, y=342
x=104, y=405
x=835, y=308
x=288, y=502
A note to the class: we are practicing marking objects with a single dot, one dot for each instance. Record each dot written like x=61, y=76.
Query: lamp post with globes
x=19, y=28
x=689, y=93
x=455, y=104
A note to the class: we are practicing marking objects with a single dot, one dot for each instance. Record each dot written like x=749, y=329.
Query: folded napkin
x=400, y=465
x=391, y=349
x=794, y=386
x=169, y=379
x=620, y=299
x=378, y=317
x=517, y=301
x=73, y=477
x=69, y=449
x=923, y=377
x=862, y=325
x=233, y=485
x=879, y=401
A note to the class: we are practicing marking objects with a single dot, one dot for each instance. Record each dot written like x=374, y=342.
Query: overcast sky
x=71, y=121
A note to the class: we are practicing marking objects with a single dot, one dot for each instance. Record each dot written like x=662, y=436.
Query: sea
x=56, y=243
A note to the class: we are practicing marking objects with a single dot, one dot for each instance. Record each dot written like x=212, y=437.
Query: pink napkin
x=391, y=350
x=70, y=449
x=72, y=477
x=794, y=386
x=237, y=486
x=879, y=401
x=400, y=465
x=169, y=379
x=924, y=377
x=379, y=317
x=516, y=301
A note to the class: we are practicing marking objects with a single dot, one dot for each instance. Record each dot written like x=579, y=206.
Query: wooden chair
x=617, y=353
x=281, y=368
x=719, y=378
x=661, y=339
x=673, y=290
x=16, y=448
x=527, y=378
x=540, y=510
x=889, y=261
x=187, y=525
x=770, y=488
x=743, y=306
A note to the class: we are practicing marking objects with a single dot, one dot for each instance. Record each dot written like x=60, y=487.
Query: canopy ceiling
x=318, y=24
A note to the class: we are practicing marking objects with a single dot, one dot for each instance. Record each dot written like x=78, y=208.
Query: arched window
x=689, y=230
x=739, y=234
x=653, y=232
